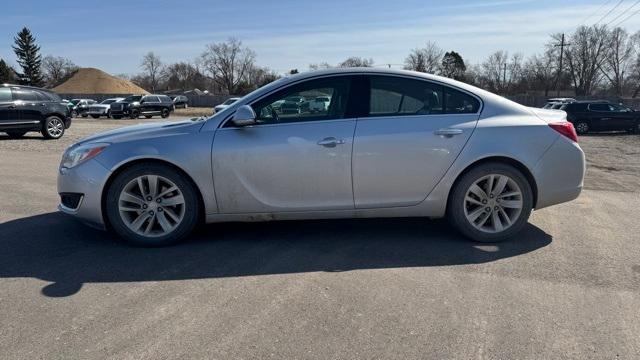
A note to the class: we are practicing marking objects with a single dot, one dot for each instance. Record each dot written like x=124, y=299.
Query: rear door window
x=600, y=107
x=397, y=96
x=5, y=94
x=24, y=95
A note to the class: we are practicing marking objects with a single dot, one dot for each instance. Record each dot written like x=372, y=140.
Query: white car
x=319, y=104
x=225, y=104
x=102, y=109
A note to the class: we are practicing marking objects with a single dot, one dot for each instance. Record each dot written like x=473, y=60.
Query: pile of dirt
x=95, y=81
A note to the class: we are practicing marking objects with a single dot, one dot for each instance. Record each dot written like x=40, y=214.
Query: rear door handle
x=330, y=142
x=449, y=132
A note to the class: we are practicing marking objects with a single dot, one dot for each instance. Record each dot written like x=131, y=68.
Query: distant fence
x=208, y=100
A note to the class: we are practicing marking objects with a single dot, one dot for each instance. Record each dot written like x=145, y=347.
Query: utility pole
x=561, y=45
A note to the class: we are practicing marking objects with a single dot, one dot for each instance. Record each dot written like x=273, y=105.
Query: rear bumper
x=560, y=173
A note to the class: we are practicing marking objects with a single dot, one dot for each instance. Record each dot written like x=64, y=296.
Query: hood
x=549, y=115
x=149, y=130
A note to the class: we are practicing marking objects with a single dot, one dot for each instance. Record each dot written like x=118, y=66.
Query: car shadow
x=58, y=249
x=28, y=136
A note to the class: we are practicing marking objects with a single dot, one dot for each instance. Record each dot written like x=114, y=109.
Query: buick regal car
x=389, y=144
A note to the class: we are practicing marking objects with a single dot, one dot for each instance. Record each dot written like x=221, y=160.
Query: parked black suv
x=589, y=116
x=26, y=108
x=146, y=105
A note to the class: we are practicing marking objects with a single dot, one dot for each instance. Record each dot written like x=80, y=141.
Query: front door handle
x=330, y=142
x=448, y=132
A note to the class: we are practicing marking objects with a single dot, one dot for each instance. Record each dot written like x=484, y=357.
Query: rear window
x=165, y=99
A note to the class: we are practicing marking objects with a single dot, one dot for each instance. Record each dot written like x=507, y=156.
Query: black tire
x=165, y=113
x=16, y=134
x=95, y=116
x=46, y=126
x=192, y=208
x=116, y=117
x=108, y=114
x=148, y=116
x=134, y=114
x=582, y=127
x=456, y=203
x=84, y=115
x=74, y=113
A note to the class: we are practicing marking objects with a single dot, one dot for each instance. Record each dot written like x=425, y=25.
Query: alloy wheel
x=151, y=206
x=55, y=128
x=493, y=203
x=582, y=128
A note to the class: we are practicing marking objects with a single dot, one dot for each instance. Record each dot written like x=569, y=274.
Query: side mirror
x=244, y=116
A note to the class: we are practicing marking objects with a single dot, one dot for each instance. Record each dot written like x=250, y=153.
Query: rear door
x=29, y=105
x=601, y=116
x=413, y=131
x=150, y=105
x=8, y=113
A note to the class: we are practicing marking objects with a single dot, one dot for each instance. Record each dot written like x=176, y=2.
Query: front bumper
x=87, y=180
x=102, y=112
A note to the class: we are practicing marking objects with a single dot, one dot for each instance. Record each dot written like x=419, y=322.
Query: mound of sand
x=95, y=81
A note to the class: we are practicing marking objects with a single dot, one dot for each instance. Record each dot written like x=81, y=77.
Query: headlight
x=75, y=156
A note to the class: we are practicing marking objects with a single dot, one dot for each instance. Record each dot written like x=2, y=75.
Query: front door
x=413, y=132
x=289, y=161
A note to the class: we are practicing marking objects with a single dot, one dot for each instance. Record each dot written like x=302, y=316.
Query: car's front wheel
x=152, y=205
x=134, y=114
x=491, y=202
x=95, y=116
x=53, y=128
x=165, y=113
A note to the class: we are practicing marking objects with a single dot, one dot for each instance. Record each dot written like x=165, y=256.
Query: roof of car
x=26, y=87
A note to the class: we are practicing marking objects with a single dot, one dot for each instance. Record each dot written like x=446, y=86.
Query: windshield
x=75, y=101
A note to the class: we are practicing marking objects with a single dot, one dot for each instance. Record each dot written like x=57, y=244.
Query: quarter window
x=457, y=102
x=297, y=103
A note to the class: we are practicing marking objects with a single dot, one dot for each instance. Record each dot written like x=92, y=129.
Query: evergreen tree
x=453, y=66
x=7, y=75
x=29, y=59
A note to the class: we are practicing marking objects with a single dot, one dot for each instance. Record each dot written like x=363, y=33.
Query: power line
x=595, y=12
x=609, y=12
x=627, y=18
x=623, y=13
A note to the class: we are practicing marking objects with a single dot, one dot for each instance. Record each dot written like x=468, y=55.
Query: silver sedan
x=388, y=144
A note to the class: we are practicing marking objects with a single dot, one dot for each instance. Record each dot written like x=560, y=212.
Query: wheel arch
x=504, y=160
x=129, y=164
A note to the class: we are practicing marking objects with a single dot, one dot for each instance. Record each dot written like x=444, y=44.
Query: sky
x=114, y=35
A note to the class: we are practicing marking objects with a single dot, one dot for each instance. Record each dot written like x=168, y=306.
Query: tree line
x=594, y=60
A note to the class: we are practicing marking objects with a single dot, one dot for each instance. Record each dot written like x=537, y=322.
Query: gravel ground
x=567, y=288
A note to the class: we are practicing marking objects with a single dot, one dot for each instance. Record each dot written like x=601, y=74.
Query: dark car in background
x=180, y=101
x=148, y=106
x=26, y=108
x=588, y=116
x=80, y=107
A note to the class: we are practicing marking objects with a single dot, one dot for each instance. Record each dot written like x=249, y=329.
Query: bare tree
x=541, y=71
x=427, y=59
x=355, y=61
x=588, y=51
x=228, y=63
x=319, y=66
x=57, y=69
x=619, y=60
x=493, y=71
x=152, y=66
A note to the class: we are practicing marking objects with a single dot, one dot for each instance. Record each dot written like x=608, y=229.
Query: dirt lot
x=567, y=287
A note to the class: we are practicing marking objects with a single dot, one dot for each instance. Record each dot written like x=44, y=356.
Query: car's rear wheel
x=491, y=202
x=134, y=114
x=152, y=205
x=84, y=115
x=582, y=128
x=108, y=114
x=95, y=116
x=148, y=116
x=164, y=113
x=16, y=134
x=53, y=128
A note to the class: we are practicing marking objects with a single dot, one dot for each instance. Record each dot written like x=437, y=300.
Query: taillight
x=565, y=128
